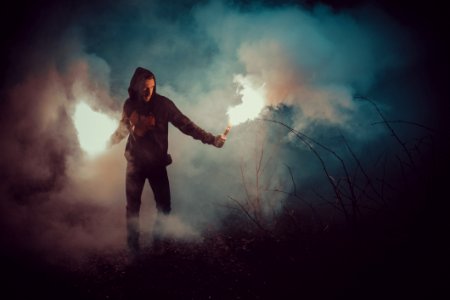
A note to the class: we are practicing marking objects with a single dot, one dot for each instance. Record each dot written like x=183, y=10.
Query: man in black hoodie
x=145, y=119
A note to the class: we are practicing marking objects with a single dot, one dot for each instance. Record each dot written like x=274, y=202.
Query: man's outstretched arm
x=185, y=125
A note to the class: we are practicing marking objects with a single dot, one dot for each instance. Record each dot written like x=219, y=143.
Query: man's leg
x=135, y=180
x=159, y=183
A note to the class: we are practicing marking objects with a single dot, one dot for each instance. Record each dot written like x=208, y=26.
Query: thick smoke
x=312, y=61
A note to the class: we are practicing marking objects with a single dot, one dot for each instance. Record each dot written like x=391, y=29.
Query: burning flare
x=253, y=101
x=94, y=128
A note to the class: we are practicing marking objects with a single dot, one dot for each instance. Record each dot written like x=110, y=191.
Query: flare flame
x=253, y=101
x=93, y=128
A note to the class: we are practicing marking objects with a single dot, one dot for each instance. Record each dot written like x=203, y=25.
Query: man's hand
x=219, y=141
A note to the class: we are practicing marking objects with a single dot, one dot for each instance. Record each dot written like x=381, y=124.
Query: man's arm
x=122, y=130
x=185, y=125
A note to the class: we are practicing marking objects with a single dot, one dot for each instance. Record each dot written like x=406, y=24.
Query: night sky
x=332, y=71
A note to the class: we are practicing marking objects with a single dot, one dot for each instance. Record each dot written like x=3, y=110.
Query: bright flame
x=94, y=129
x=253, y=101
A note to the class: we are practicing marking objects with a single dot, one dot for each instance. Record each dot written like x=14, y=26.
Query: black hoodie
x=151, y=147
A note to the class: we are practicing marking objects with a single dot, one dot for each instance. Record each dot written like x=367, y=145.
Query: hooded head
x=142, y=85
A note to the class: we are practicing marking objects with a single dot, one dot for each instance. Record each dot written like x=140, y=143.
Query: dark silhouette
x=145, y=119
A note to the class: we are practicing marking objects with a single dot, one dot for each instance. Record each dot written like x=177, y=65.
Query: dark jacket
x=151, y=147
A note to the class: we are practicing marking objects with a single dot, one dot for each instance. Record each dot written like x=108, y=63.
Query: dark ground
x=395, y=253
x=392, y=255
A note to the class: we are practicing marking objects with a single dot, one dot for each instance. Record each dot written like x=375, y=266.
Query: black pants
x=135, y=179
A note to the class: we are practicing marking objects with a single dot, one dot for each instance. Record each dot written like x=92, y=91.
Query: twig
x=302, y=199
x=386, y=122
x=409, y=123
x=245, y=185
x=306, y=140
x=243, y=209
x=358, y=162
x=329, y=202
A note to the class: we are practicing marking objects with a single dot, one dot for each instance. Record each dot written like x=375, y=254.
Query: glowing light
x=94, y=128
x=253, y=101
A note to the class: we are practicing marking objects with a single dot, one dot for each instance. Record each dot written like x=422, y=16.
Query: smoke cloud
x=311, y=60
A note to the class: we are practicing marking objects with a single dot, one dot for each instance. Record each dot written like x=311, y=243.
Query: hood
x=140, y=74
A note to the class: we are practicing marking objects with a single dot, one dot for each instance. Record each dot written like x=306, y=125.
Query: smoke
x=310, y=61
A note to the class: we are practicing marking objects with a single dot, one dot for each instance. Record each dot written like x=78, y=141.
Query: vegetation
x=378, y=237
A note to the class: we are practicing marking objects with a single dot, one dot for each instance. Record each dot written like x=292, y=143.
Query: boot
x=133, y=243
x=133, y=236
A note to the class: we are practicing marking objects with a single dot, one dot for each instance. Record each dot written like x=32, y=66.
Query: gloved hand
x=219, y=141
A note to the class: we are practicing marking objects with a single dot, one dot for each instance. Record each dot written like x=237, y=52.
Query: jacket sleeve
x=122, y=130
x=185, y=125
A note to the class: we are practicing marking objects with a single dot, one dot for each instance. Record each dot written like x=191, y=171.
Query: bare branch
x=388, y=125
x=340, y=209
x=251, y=218
x=358, y=162
x=409, y=123
x=244, y=183
x=307, y=141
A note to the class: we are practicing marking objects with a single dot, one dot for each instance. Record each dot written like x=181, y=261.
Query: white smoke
x=309, y=61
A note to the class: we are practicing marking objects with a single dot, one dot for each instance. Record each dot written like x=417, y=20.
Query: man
x=145, y=120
